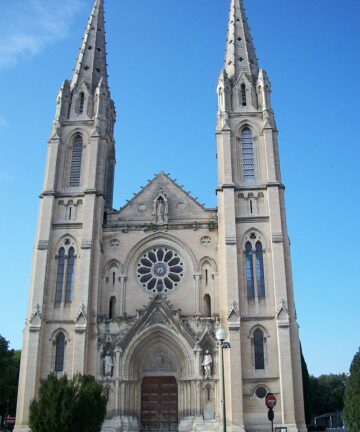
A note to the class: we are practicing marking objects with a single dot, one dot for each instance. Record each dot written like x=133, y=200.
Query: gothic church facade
x=135, y=296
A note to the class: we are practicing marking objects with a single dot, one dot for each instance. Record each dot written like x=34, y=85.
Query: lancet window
x=60, y=275
x=250, y=283
x=254, y=268
x=76, y=158
x=59, y=352
x=260, y=278
x=259, y=351
x=70, y=275
x=65, y=273
x=243, y=94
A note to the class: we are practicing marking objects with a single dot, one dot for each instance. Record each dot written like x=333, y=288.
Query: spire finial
x=240, y=52
x=91, y=63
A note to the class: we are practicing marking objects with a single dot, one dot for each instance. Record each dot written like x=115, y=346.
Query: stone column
x=117, y=380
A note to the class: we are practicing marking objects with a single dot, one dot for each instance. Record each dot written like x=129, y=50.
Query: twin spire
x=240, y=53
x=91, y=63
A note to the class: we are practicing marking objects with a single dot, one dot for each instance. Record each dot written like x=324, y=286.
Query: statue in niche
x=160, y=210
x=207, y=364
x=108, y=364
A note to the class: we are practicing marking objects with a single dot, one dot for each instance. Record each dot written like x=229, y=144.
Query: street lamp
x=221, y=335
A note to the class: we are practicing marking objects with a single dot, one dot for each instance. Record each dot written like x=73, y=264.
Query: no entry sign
x=270, y=400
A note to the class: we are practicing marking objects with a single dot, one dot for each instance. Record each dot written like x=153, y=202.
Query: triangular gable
x=81, y=319
x=234, y=317
x=36, y=318
x=177, y=204
x=158, y=312
x=282, y=314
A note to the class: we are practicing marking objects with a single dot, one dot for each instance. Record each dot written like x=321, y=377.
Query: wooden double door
x=159, y=404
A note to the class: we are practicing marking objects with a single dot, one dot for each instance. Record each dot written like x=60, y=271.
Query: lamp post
x=221, y=335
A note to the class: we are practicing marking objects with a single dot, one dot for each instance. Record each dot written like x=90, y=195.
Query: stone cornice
x=62, y=194
x=146, y=227
x=258, y=318
x=67, y=225
x=263, y=186
x=252, y=218
x=225, y=186
x=261, y=378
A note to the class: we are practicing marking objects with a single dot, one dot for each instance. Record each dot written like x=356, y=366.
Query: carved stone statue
x=108, y=364
x=207, y=364
x=160, y=208
x=160, y=211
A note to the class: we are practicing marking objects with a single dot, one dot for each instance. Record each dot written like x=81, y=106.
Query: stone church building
x=135, y=296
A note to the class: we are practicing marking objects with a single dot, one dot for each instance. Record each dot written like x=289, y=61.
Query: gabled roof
x=182, y=205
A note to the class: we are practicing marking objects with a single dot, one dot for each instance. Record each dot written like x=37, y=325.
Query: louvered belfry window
x=76, y=157
x=247, y=147
x=81, y=103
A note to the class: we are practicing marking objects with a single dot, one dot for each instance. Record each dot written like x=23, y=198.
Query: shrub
x=66, y=405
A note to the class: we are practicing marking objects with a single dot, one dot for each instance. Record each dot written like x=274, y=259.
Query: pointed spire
x=91, y=63
x=240, y=53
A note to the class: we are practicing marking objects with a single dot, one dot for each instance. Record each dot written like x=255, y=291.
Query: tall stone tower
x=254, y=252
x=77, y=191
x=135, y=296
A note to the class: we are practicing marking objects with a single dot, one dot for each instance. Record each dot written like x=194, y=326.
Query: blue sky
x=164, y=59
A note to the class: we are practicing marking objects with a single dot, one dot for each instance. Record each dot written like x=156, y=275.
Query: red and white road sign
x=270, y=400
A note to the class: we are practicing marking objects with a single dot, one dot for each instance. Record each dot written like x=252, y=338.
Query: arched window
x=70, y=275
x=76, y=157
x=259, y=349
x=112, y=307
x=254, y=267
x=81, y=102
x=249, y=267
x=243, y=94
x=247, y=147
x=260, y=270
x=59, y=352
x=207, y=305
x=60, y=276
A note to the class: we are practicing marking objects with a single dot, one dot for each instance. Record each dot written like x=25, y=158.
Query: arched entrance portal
x=159, y=404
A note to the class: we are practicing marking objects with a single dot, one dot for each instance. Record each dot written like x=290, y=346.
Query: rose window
x=160, y=270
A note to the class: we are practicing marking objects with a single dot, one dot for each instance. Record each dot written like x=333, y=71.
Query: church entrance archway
x=159, y=404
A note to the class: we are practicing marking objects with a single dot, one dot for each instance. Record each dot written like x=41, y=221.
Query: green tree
x=9, y=376
x=308, y=402
x=66, y=405
x=327, y=393
x=352, y=396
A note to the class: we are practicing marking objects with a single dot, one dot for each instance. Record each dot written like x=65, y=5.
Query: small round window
x=261, y=392
x=160, y=270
